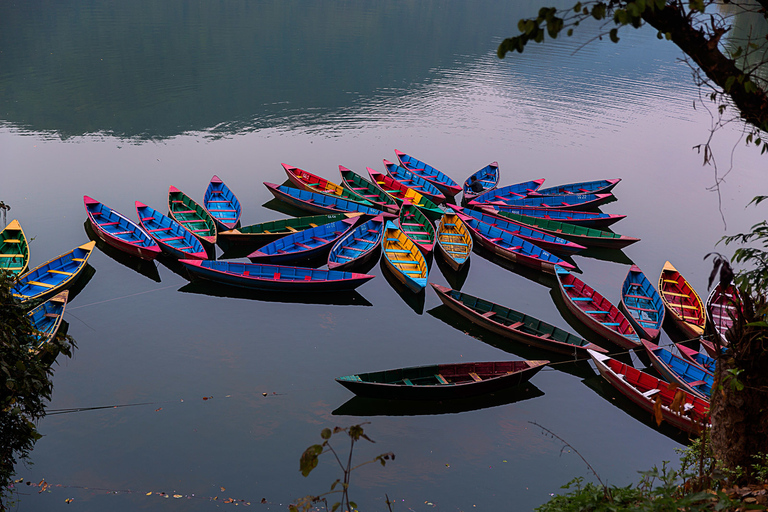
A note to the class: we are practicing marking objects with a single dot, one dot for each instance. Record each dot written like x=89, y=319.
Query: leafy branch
x=309, y=461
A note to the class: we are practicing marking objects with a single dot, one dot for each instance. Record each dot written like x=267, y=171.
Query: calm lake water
x=121, y=100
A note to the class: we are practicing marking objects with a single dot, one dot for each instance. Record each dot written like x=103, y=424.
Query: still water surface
x=119, y=101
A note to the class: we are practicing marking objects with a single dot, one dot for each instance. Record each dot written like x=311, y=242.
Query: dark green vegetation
x=25, y=384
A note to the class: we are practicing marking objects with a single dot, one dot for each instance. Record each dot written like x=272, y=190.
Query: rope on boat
x=122, y=297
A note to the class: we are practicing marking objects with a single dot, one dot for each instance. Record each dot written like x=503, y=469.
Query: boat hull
x=494, y=376
x=54, y=276
x=257, y=276
x=109, y=226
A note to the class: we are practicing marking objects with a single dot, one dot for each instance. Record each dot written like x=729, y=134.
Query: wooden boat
x=710, y=348
x=691, y=377
x=257, y=276
x=573, y=202
x=317, y=203
x=511, y=247
x=589, y=237
x=678, y=408
x=417, y=227
x=305, y=180
x=642, y=303
x=586, y=219
x=584, y=187
x=454, y=241
x=695, y=357
x=171, y=236
x=222, y=205
x=191, y=216
x=442, y=381
x=403, y=257
x=258, y=235
x=46, y=319
x=414, y=181
x=551, y=243
x=358, y=245
x=507, y=193
x=53, y=276
x=595, y=311
x=488, y=177
x=401, y=193
x=722, y=308
x=446, y=185
x=118, y=231
x=513, y=324
x=14, y=249
x=303, y=245
x=682, y=302
x=359, y=185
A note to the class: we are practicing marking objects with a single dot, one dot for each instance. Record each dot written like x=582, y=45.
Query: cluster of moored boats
x=404, y=215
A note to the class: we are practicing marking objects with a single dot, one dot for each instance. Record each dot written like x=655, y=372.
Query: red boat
x=595, y=311
x=678, y=408
x=120, y=232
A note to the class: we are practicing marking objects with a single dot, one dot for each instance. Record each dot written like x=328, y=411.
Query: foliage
x=309, y=460
x=25, y=383
x=755, y=279
x=668, y=495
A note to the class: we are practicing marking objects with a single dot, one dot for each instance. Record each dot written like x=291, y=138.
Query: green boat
x=514, y=325
x=193, y=217
x=588, y=237
x=417, y=227
x=359, y=185
x=256, y=236
x=14, y=250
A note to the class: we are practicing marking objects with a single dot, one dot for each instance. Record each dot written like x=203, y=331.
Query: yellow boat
x=14, y=250
x=53, y=276
x=404, y=258
x=682, y=302
x=453, y=240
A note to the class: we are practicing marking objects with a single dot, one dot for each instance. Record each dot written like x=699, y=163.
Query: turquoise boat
x=357, y=246
x=222, y=205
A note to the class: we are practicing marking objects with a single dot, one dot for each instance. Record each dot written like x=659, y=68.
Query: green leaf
x=308, y=460
x=668, y=35
x=326, y=433
x=570, y=32
x=353, y=504
x=750, y=87
x=577, y=7
x=614, y=35
x=334, y=484
x=335, y=506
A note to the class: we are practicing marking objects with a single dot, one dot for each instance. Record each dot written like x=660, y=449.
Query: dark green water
x=120, y=100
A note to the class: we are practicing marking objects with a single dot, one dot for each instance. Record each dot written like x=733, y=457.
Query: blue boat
x=46, y=319
x=642, y=303
x=573, y=202
x=487, y=177
x=674, y=368
x=257, y=276
x=404, y=258
x=171, y=236
x=120, y=232
x=357, y=246
x=301, y=245
x=508, y=193
x=317, y=203
x=583, y=187
x=53, y=276
x=697, y=357
x=222, y=204
x=414, y=181
x=512, y=247
x=586, y=219
x=439, y=179
x=544, y=240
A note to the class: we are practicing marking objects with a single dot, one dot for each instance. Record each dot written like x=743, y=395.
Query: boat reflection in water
x=579, y=368
x=82, y=280
x=603, y=254
x=202, y=287
x=143, y=267
x=604, y=388
x=542, y=278
x=456, y=279
x=415, y=301
x=361, y=406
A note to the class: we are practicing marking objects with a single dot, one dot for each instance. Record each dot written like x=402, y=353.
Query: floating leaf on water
x=69, y=500
x=149, y=493
x=222, y=489
x=159, y=409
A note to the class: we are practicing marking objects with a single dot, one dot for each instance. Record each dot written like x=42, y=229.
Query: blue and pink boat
x=508, y=193
x=488, y=179
x=171, y=236
x=357, y=246
x=572, y=202
x=222, y=204
x=303, y=245
x=317, y=203
x=414, y=181
x=120, y=232
x=583, y=187
x=439, y=179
